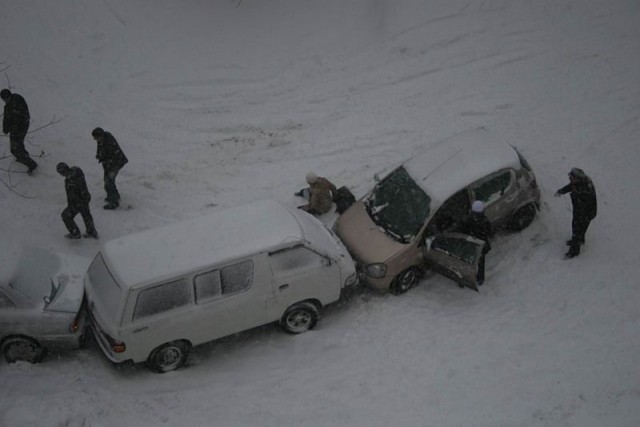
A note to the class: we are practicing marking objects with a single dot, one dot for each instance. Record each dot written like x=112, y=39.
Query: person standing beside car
x=112, y=158
x=78, y=198
x=16, y=123
x=476, y=224
x=585, y=207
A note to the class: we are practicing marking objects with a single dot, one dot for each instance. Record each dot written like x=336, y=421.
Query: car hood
x=366, y=241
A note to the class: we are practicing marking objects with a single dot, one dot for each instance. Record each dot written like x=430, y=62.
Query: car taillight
x=116, y=346
x=75, y=325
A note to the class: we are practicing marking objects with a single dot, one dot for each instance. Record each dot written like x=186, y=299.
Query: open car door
x=455, y=256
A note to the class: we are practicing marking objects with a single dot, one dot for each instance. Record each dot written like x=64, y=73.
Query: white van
x=154, y=295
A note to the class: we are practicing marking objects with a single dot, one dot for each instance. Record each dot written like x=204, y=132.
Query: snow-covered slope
x=219, y=103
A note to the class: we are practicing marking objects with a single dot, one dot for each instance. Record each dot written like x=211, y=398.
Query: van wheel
x=169, y=357
x=522, y=217
x=22, y=348
x=299, y=318
x=404, y=281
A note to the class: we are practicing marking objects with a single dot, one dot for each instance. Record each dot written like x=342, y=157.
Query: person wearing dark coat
x=112, y=158
x=477, y=224
x=78, y=198
x=585, y=207
x=16, y=123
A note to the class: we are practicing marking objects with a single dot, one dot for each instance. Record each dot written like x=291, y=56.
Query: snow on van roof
x=173, y=249
x=443, y=169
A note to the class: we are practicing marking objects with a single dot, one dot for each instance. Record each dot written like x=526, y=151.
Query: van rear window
x=107, y=290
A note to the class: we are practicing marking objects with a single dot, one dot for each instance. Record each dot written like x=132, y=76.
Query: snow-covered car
x=41, y=305
x=155, y=294
x=406, y=221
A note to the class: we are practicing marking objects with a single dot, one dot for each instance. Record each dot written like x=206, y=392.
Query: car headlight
x=376, y=271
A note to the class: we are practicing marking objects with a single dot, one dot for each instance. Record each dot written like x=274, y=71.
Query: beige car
x=406, y=222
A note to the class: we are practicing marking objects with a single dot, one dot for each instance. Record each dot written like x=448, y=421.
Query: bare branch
x=10, y=185
x=52, y=122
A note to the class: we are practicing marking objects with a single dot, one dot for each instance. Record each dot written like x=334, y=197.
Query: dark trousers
x=113, y=196
x=579, y=226
x=70, y=212
x=16, y=141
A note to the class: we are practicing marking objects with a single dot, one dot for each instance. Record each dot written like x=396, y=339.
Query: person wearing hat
x=112, y=158
x=321, y=192
x=585, y=207
x=477, y=224
x=78, y=198
x=16, y=123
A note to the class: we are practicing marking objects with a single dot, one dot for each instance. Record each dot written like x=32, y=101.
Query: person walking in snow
x=78, y=198
x=16, y=123
x=476, y=224
x=321, y=192
x=585, y=207
x=112, y=158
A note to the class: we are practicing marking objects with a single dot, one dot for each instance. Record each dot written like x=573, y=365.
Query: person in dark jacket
x=112, y=158
x=585, y=208
x=477, y=224
x=78, y=198
x=16, y=123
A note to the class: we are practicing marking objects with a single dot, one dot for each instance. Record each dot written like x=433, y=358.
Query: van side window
x=161, y=298
x=225, y=281
x=293, y=259
x=494, y=188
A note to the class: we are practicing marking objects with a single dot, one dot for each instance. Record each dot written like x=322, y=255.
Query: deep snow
x=220, y=103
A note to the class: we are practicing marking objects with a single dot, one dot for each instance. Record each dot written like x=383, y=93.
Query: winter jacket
x=16, y=115
x=583, y=198
x=76, y=188
x=110, y=154
x=477, y=224
x=321, y=196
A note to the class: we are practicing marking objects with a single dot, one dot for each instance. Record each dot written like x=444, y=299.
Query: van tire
x=22, y=348
x=299, y=318
x=169, y=356
x=522, y=218
x=404, y=281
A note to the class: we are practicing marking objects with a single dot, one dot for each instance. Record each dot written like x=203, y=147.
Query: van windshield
x=105, y=287
x=398, y=205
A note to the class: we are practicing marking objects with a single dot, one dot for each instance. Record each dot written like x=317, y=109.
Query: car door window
x=462, y=249
x=296, y=259
x=493, y=188
x=161, y=298
x=452, y=210
x=225, y=281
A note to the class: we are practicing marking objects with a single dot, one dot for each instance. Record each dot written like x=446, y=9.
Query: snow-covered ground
x=221, y=102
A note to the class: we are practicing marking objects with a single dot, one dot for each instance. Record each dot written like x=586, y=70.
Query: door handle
x=283, y=287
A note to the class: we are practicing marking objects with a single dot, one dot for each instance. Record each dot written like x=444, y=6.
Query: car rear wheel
x=522, y=217
x=169, y=357
x=299, y=318
x=404, y=281
x=22, y=348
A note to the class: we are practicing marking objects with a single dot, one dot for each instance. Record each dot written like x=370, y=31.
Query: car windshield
x=398, y=205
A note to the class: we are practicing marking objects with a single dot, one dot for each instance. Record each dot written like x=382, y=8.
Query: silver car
x=40, y=305
x=405, y=223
